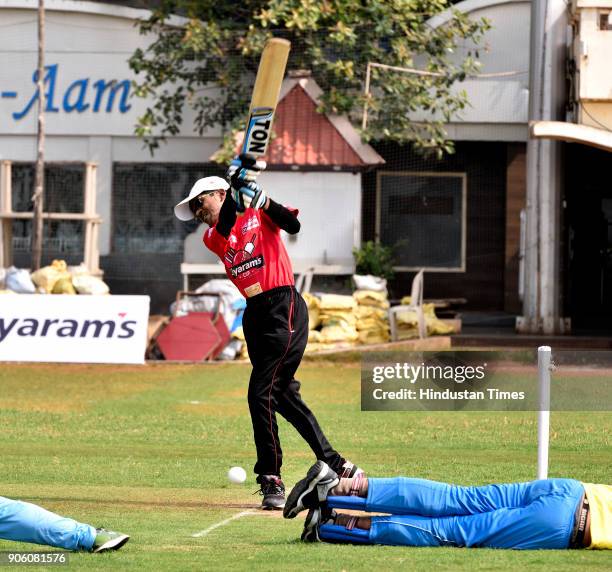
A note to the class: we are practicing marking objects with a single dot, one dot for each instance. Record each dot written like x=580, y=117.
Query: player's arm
x=227, y=216
x=282, y=217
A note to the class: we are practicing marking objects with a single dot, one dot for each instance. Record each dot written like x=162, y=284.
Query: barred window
x=63, y=193
x=144, y=195
x=422, y=215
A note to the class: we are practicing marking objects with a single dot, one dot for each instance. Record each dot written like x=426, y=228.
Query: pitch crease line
x=222, y=523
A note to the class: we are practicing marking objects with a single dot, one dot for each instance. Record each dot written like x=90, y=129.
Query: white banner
x=81, y=329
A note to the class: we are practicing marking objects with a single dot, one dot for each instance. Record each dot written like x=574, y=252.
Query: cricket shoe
x=273, y=491
x=315, y=518
x=348, y=470
x=311, y=491
x=108, y=540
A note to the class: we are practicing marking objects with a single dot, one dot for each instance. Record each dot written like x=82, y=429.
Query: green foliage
x=374, y=258
x=208, y=62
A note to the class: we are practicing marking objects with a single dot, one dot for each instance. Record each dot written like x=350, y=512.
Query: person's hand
x=253, y=196
x=244, y=169
x=239, y=199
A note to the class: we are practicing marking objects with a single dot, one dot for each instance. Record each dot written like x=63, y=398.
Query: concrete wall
x=498, y=105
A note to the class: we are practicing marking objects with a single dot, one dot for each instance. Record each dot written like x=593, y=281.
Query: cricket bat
x=265, y=96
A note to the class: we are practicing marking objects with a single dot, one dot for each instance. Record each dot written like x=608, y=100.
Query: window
x=63, y=188
x=144, y=196
x=422, y=215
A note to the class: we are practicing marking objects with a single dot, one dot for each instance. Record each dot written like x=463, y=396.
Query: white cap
x=207, y=184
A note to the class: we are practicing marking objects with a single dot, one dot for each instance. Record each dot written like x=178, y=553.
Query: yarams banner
x=81, y=329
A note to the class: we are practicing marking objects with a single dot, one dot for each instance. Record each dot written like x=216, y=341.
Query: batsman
x=275, y=321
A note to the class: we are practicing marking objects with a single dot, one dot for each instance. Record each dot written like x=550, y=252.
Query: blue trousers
x=26, y=522
x=532, y=515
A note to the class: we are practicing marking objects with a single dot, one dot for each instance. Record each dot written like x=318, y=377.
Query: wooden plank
x=52, y=216
x=218, y=268
x=6, y=226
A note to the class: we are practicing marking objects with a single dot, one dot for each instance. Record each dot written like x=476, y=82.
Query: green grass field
x=145, y=450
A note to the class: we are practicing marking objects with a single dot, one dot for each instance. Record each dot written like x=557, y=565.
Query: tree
x=39, y=183
x=210, y=61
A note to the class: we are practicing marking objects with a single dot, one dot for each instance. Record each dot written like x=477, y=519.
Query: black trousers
x=275, y=327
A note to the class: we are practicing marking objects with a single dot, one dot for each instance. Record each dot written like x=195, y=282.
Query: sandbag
x=63, y=286
x=46, y=277
x=369, y=282
x=314, y=336
x=370, y=312
x=330, y=316
x=78, y=270
x=336, y=302
x=314, y=311
x=338, y=331
x=18, y=280
x=372, y=324
x=407, y=323
x=371, y=298
x=374, y=336
x=85, y=284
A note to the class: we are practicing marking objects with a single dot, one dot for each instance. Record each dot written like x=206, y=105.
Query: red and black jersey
x=253, y=253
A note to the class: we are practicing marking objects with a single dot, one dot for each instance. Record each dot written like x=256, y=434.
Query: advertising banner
x=81, y=329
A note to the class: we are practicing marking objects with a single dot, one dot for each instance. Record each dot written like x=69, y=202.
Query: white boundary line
x=222, y=523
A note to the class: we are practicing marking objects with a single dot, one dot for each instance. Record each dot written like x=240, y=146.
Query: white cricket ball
x=236, y=475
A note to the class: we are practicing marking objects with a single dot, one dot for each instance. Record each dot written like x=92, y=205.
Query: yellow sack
x=314, y=336
x=336, y=302
x=329, y=317
x=238, y=334
x=374, y=336
x=371, y=298
x=85, y=284
x=370, y=312
x=46, y=277
x=408, y=320
x=312, y=302
x=339, y=331
x=312, y=347
x=244, y=352
x=372, y=324
x=63, y=286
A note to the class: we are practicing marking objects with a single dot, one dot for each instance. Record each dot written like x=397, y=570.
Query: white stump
x=544, y=355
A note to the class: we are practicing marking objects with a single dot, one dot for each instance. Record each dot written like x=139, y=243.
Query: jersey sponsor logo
x=250, y=224
x=245, y=267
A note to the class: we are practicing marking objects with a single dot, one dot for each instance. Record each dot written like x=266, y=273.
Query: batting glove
x=244, y=169
x=243, y=202
x=253, y=196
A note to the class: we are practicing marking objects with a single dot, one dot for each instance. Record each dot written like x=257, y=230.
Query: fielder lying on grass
x=551, y=513
x=25, y=522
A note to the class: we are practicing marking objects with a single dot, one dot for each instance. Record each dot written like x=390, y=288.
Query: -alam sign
x=81, y=94
x=98, y=95
x=85, y=94
x=78, y=329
